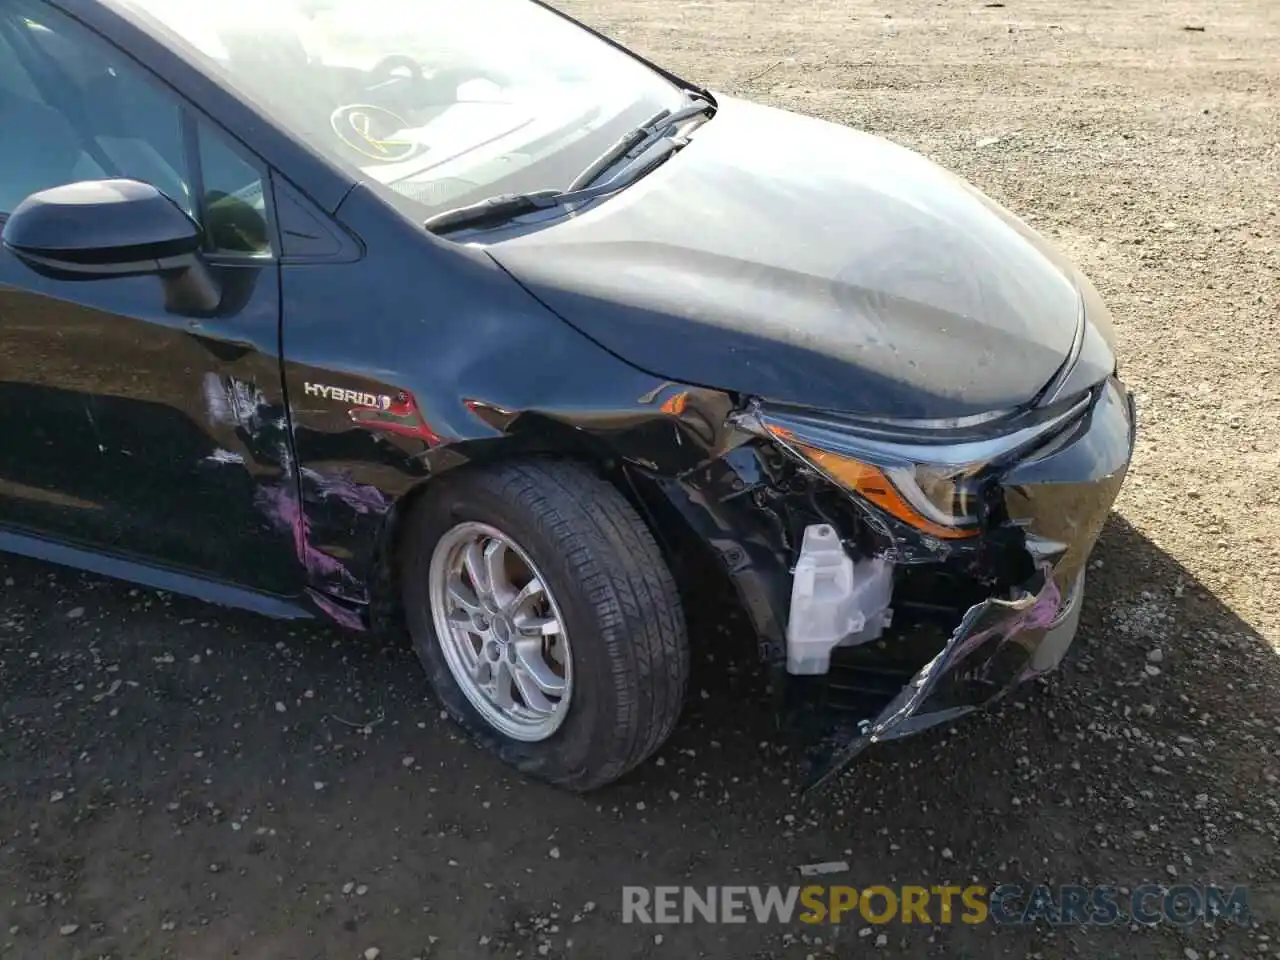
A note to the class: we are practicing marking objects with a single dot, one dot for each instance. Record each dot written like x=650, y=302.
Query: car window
x=233, y=205
x=74, y=108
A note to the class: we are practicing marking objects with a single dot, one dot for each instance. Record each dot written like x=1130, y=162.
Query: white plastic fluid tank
x=834, y=601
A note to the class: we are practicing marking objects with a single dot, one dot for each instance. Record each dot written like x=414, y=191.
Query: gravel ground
x=180, y=781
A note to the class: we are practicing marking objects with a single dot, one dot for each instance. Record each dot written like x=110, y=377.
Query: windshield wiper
x=500, y=209
x=640, y=139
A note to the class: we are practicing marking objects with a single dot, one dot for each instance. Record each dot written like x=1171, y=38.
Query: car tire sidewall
x=565, y=754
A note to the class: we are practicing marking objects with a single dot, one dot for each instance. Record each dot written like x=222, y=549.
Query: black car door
x=156, y=438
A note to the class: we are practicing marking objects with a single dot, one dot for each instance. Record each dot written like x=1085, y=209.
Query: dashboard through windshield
x=434, y=102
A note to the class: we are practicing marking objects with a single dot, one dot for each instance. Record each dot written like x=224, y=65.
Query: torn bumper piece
x=997, y=645
x=1060, y=497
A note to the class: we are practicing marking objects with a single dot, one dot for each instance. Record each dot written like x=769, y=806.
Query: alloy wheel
x=501, y=631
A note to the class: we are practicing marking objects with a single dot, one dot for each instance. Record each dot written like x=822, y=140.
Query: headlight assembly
x=941, y=502
x=925, y=474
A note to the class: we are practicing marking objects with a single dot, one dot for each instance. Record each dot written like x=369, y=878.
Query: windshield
x=437, y=103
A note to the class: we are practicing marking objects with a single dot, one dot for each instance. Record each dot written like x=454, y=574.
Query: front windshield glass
x=437, y=103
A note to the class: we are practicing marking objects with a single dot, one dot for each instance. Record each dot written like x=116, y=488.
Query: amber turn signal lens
x=675, y=404
x=871, y=484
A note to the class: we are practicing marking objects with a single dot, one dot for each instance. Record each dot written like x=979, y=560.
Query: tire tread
x=610, y=552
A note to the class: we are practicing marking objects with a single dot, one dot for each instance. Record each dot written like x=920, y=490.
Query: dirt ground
x=180, y=781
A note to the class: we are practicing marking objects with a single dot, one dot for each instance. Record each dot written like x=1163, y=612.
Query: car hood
x=801, y=261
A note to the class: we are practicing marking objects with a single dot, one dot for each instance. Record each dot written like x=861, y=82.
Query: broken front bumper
x=1060, y=497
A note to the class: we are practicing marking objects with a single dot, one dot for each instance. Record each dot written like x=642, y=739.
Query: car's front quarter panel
x=421, y=356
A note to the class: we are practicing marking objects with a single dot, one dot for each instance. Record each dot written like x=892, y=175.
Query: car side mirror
x=99, y=229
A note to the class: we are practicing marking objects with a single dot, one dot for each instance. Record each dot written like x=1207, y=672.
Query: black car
x=463, y=319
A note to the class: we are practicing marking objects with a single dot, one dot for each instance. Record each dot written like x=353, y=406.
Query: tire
x=628, y=654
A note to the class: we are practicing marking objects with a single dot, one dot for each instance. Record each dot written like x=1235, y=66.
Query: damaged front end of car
x=927, y=566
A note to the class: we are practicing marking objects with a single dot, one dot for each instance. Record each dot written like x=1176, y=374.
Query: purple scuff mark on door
x=336, y=612
x=281, y=507
x=360, y=497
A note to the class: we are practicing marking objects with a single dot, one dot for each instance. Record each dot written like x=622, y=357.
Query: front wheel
x=546, y=618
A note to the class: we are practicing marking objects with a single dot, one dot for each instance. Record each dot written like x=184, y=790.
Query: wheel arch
x=537, y=437
x=673, y=460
